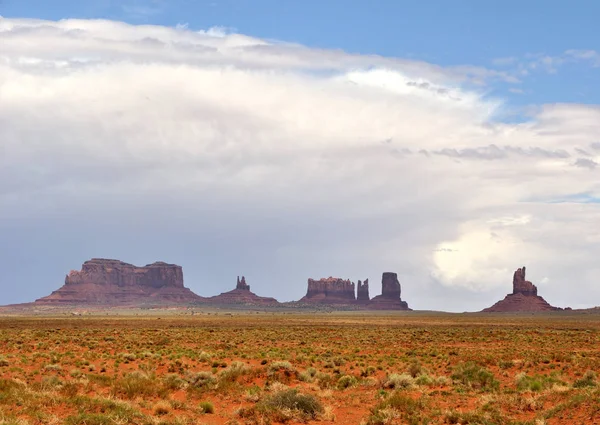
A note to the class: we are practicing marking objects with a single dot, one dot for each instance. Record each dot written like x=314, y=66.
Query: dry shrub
x=161, y=408
x=397, y=381
x=284, y=406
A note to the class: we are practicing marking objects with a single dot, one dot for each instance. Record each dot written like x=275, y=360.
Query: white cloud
x=288, y=162
x=585, y=55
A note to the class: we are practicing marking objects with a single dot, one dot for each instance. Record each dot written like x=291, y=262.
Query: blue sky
x=506, y=35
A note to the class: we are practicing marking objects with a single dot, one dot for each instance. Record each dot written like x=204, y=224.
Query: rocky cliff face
x=362, y=292
x=522, y=286
x=242, y=285
x=241, y=295
x=390, y=286
x=103, y=281
x=390, y=294
x=523, y=298
x=114, y=272
x=330, y=290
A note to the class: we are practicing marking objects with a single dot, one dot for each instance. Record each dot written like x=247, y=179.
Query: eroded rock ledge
x=524, y=297
x=106, y=281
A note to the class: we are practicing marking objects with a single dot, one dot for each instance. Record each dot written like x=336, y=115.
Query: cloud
x=586, y=163
x=506, y=61
x=493, y=152
x=590, y=56
x=232, y=155
x=520, y=68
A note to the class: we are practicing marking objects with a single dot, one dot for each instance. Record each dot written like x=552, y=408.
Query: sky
x=450, y=142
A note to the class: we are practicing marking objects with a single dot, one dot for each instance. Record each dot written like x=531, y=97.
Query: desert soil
x=345, y=368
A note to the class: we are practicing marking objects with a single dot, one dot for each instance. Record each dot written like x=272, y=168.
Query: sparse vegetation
x=474, y=376
x=270, y=368
x=283, y=406
x=206, y=407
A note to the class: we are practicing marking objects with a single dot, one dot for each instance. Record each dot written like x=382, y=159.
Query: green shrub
x=50, y=382
x=397, y=381
x=128, y=357
x=69, y=389
x=396, y=406
x=207, y=407
x=588, y=380
x=536, y=382
x=89, y=419
x=325, y=380
x=346, y=381
x=233, y=372
x=415, y=369
x=460, y=418
x=161, y=408
x=204, y=357
x=370, y=370
x=136, y=384
x=174, y=382
x=289, y=404
x=201, y=380
x=308, y=375
x=424, y=380
x=474, y=376
x=281, y=366
x=76, y=373
x=53, y=367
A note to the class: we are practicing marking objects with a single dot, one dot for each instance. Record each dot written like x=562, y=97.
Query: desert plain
x=185, y=366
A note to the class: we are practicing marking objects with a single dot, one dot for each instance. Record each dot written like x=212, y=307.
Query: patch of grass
x=206, y=407
x=308, y=375
x=89, y=419
x=173, y=381
x=588, y=380
x=536, y=383
x=233, y=372
x=397, y=408
x=397, y=381
x=201, y=380
x=281, y=366
x=415, y=368
x=161, y=408
x=284, y=406
x=474, y=418
x=137, y=384
x=473, y=376
x=204, y=357
x=346, y=381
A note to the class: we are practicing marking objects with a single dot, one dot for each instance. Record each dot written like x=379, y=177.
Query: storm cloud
x=232, y=155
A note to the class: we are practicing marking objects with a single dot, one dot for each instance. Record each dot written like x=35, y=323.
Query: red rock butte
x=113, y=282
x=242, y=295
x=331, y=290
x=362, y=292
x=390, y=294
x=337, y=291
x=524, y=297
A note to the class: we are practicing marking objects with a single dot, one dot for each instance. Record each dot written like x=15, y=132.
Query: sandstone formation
x=113, y=282
x=331, y=290
x=242, y=285
x=390, y=294
x=241, y=295
x=524, y=297
x=362, y=292
x=522, y=286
